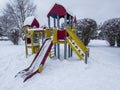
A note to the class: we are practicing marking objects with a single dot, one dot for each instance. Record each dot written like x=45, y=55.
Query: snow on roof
x=67, y=9
x=36, y=29
x=29, y=20
x=59, y=10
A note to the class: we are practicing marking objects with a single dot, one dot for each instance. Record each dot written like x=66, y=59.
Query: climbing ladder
x=76, y=44
x=52, y=53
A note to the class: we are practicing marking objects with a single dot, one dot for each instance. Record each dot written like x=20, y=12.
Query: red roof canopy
x=35, y=23
x=58, y=10
x=31, y=22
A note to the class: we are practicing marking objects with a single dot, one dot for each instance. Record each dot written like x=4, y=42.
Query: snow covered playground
x=52, y=38
x=63, y=61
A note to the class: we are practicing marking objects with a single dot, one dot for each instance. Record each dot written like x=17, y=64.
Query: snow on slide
x=38, y=60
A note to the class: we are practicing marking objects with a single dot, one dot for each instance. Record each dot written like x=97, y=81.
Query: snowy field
x=101, y=73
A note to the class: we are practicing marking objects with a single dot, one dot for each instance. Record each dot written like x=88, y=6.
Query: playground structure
x=53, y=38
x=31, y=37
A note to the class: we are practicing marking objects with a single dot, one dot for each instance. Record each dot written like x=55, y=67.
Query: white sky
x=2, y=3
x=99, y=10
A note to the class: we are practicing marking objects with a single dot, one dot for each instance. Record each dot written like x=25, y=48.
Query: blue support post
x=88, y=52
x=65, y=21
x=86, y=55
x=55, y=49
x=58, y=46
x=70, y=21
x=70, y=24
x=58, y=50
x=58, y=22
x=69, y=51
x=54, y=22
x=42, y=37
x=65, y=49
x=65, y=43
x=49, y=22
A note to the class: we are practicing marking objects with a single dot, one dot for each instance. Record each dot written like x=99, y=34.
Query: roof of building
x=31, y=21
x=59, y=10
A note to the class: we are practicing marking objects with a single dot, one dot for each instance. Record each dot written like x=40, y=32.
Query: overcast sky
x=99, y=10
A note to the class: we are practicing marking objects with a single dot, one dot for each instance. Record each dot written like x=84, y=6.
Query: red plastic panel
x=61, y=34
x=28, y=40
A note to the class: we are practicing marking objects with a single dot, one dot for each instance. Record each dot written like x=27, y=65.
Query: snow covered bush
x=111, y=29
x=118, y=39
x=14, y=36
x=1, y=32
x=87, y=27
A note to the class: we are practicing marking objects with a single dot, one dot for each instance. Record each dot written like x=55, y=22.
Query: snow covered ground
x=101, y=73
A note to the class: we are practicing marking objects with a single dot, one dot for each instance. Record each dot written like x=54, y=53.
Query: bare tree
x=14, y=14
x=18, y=10
x=6, y=23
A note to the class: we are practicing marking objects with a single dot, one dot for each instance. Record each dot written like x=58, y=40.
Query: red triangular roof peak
x=75, y=20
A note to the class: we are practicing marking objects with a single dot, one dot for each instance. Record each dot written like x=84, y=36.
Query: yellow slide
x=76, y=44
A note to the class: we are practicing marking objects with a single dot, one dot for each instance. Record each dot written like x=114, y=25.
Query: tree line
x=12, y=18
x=109, y=30
x=16, y=11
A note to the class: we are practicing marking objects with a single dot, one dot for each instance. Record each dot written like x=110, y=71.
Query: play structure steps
x=76, y=44
x=75, y=49
x=52, y=53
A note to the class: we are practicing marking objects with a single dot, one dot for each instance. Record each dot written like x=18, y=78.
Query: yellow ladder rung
x=82, y=54
x=79, y=50
x=73, y=43
x=76, y=47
